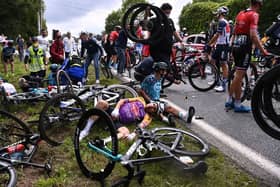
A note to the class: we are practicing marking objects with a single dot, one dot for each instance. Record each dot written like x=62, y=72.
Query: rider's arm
x=177, y=36
x=256, y=41
x=146, y=121
x=253, y=33
x=143, y=94
x=213, y=39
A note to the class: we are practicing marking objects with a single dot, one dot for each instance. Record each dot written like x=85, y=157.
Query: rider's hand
x=115, y=113
x=265, y=53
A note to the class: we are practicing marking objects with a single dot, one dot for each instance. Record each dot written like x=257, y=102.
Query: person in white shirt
x=69, y=45
x=8, y=87
x=44, y=43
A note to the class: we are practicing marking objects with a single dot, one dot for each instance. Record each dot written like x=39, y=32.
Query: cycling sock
x=88, y=125
x=165, y=119
x=183, y=115
x=237, y=103
x=229, y=99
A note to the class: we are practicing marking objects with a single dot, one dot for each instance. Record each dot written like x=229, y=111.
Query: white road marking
x=255, y=157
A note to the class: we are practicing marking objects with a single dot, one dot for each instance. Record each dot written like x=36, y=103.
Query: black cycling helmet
x=160, y=66
x=54, y=67
x=257, y=1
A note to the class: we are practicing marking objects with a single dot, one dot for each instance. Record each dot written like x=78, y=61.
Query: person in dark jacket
x=93, y=53
x=120, y=44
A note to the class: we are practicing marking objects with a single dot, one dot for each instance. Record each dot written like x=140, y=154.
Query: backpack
x=131, y=112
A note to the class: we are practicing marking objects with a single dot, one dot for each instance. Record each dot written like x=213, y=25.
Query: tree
x=19, y=16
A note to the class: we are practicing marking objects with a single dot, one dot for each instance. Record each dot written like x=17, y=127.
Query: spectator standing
x=8, y=57
x=69, y=44
x=112, y=38
x=120, y=45
x=57, y=49
x=20, y=47
x=93, y=53
x=35, y=60
x=44, y=43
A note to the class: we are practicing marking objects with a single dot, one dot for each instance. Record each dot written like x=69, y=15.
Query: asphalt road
x=240, y=127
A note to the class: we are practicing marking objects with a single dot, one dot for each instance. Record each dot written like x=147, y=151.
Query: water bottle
x=16, y=148
x=16, y=152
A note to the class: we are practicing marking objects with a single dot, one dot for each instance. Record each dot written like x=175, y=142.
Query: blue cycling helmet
x=54, y=67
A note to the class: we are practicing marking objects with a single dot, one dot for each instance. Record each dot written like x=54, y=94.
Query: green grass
x=222, y=172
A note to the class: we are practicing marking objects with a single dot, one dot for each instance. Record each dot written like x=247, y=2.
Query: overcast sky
x=89, y=15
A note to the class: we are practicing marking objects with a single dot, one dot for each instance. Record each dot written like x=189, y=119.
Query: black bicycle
x=18, y=145
x=265, y=102
x=98, y=152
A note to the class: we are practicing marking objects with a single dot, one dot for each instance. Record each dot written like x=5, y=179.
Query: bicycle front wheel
x=93, y=163
x=12, y=129
x=181, y=142
x=58, y=115
x=8, y=176
x=203, y=76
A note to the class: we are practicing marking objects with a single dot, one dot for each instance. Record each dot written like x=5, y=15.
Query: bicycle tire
x=88, y=160
x=123, y=90
x=12, y=129
x=200, y=79
x=247, y=88
x=105, y=70
x=271, y=99
x=62, y=76
x=25, y=96
x=260, y=113
x=58, y=115
x=192, y=145
x=8, y=175
x=130, y=16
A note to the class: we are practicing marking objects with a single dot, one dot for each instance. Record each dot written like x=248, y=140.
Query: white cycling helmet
x=223, y=10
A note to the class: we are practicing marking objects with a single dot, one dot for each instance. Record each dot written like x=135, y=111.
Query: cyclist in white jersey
x=221, y=39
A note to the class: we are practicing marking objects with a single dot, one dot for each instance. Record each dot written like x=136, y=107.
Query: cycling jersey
x=242, y=45
x=224, y=31
x=133, y=110
x=152, y=87
x=245, y=21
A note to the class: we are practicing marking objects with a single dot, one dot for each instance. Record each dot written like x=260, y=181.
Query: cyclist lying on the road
x=135, y=110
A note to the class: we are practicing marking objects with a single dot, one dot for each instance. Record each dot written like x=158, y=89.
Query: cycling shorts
x=242, y=57
x=220, y=54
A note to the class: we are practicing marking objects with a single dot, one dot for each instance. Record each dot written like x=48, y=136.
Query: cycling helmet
x=257, y=1
x=54, y=67
x=223, y=10
x=160, y=65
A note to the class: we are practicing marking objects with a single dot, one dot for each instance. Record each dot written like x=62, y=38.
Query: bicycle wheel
x=248, y=82
x=104, y=68
x=203, y=76
x=8, y=176
x=59, y=114
x=271, y=98
x=261, y=109
x=12, y=129
x=26, y=96
x=64, y=83
x=123, y=91
x=94, y=164
x=180, y=142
